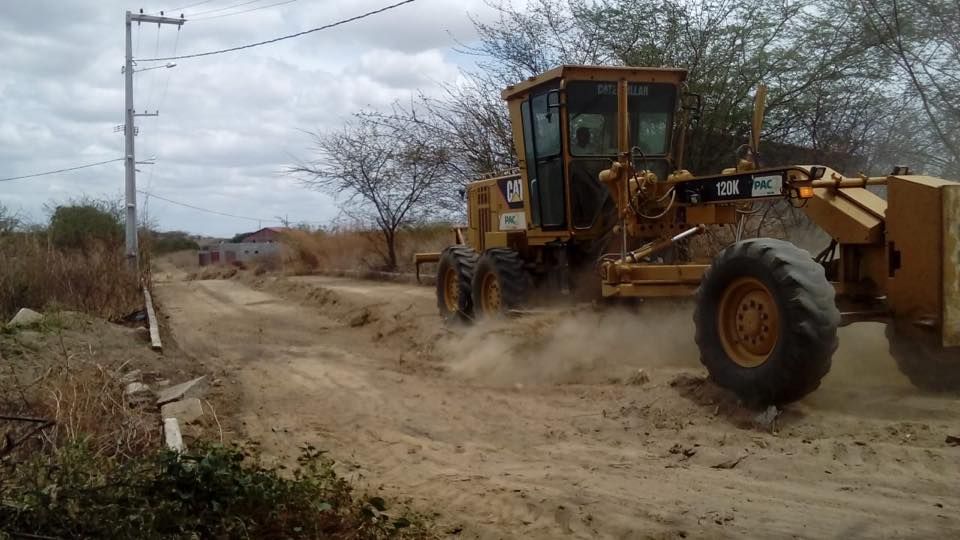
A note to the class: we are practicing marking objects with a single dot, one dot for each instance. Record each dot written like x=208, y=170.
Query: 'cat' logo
x=512, y=190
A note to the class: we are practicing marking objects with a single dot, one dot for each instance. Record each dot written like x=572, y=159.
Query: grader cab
x=601, y=202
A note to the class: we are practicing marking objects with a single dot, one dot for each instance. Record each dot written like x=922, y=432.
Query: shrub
x=210, y=492
x=82, y=226
x=160, y=243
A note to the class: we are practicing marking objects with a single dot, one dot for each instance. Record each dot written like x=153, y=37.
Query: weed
x=213, y=491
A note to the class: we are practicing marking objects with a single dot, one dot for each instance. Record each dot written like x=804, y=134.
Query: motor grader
x=601, y=191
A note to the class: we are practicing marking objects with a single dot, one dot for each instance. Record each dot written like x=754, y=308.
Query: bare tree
x=468, y=119
x=9, y=220
x=383, y=173
x=922, y=38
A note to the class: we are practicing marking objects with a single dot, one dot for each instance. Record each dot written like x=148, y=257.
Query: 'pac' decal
x=767, y=185
x=513, y=221
x=512, y=190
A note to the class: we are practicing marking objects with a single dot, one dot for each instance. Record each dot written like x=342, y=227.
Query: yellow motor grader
x=601, y=191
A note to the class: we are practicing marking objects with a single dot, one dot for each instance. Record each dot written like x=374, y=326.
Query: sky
x=229, y=124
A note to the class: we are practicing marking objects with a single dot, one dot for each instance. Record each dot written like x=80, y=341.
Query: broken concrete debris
x=137, y=393
x=171, y=434
x=186, y=411
x=190, y=389
x=25, y=317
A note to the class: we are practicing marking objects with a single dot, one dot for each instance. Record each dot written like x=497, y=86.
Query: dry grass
x=93, y=280
x=59, y=372
x=355, y=249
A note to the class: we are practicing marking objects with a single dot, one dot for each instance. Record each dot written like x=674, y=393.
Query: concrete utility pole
x=133, y=250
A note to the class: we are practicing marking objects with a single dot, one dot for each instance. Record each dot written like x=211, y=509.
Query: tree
x=80, y=226
x=856, y=84
x=9, y=220
x=922, y=40
x=387, y=172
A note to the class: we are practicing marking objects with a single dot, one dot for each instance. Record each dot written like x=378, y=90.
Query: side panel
x=846, y=218
x=914, y=246
x=951, y=266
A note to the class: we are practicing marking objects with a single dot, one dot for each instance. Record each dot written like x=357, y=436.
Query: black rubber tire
x=515, y=282
x=919, y=357
x=808, y=324
x=463, y=260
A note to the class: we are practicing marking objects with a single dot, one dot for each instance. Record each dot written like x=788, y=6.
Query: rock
x=138, y=393
x=25, y=317
x=132, y=376
x=189, y=389
x=186, y=411
x=638, y=378
x=766, y=418
x=171, y=434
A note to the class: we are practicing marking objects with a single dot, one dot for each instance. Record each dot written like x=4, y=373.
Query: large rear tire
x=454, y=278
x=919, y=357
x=766, y=321
x=500, y=284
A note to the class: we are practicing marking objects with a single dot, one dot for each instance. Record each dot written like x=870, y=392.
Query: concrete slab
x=185, y=411
x=189, y=389
x=171, y=435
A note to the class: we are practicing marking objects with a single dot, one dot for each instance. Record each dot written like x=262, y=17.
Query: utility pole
x=129, y=131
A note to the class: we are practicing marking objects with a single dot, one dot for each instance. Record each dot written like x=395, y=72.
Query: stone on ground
x=25, y=317
x=171, y=434
x=132, y=376
x=138, y=393
x=189, y=389
x=185, y=411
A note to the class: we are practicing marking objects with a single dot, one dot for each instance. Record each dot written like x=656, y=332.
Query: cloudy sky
x=228, y=123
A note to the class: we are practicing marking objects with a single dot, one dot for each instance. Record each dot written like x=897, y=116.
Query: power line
x=216, y=10
x=216, y=212
x=281, y=38
x=244, y=11
x=199, y=209
x=60, y=170
x=187, y=6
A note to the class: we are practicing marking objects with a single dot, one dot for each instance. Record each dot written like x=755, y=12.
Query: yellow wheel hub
x=748, y=322
x=451, y=290
x=490, y=297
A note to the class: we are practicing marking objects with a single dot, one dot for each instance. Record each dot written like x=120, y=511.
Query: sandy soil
x=539, y=427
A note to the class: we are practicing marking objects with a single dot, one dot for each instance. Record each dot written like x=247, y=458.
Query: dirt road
x=541, y=428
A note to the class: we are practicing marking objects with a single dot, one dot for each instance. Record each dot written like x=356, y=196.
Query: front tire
x=500, y=284
x=454, y=278
x=766, y=321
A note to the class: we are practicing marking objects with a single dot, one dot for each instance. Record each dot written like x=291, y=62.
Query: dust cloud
x=582, y=346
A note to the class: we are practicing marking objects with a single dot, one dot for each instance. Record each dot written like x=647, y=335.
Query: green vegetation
x=84, y=226
x=170, y=242
x=210, y=492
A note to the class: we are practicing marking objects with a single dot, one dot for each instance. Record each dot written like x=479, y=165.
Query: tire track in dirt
x=544, y=459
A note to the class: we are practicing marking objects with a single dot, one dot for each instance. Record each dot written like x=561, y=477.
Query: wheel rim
x=490, y=297
x=749, y=322
x=451, y=290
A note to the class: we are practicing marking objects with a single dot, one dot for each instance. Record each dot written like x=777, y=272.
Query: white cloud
x=229, y=123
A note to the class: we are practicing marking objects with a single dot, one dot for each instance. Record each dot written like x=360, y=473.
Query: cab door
x=544, y=159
